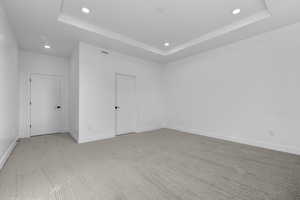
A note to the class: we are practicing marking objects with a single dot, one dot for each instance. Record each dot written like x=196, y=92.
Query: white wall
x=247, y=92
x=9, y=88
x=97, y=92
x=43, y=64
x=74, y=94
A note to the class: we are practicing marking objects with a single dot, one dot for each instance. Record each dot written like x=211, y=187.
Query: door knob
x=117, y=107
x=58, y=107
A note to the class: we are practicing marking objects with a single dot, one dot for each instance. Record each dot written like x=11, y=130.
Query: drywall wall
x=246, y=92
x=35, y=63
x=74, y=94
x=97, y=92
x=9, y=88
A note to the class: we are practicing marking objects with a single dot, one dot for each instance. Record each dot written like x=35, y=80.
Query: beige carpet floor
x=158, y=165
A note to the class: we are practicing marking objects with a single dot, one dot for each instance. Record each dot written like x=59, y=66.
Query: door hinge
x=30, y=79
x=30, y=126
x=30, y=103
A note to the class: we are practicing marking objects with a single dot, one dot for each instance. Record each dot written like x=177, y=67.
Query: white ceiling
x=140, y=27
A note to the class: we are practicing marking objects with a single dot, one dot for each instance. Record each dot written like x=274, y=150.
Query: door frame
x=116, y=100
x=61, y=77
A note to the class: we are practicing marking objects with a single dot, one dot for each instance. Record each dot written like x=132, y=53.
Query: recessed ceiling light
x=167, y=44
x=47, y=46
x=85, y=10
x=236, y=11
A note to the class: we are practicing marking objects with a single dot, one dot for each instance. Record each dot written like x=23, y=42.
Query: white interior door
x=46, y=105
x=125, y=106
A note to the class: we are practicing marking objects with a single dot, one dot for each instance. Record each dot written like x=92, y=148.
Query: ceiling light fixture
x=167, y=44
x=47, y=46
x=236, y=11
x=85, y=10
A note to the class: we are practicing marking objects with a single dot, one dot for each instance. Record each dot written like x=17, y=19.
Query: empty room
x=149, y=100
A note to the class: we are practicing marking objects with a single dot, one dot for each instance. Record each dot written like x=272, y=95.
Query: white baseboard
x=262, y=144
x=27, y=135
x=147, y=130
x=112, y=135
x=7, y=153
x=73, y=136
x=94, y=138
